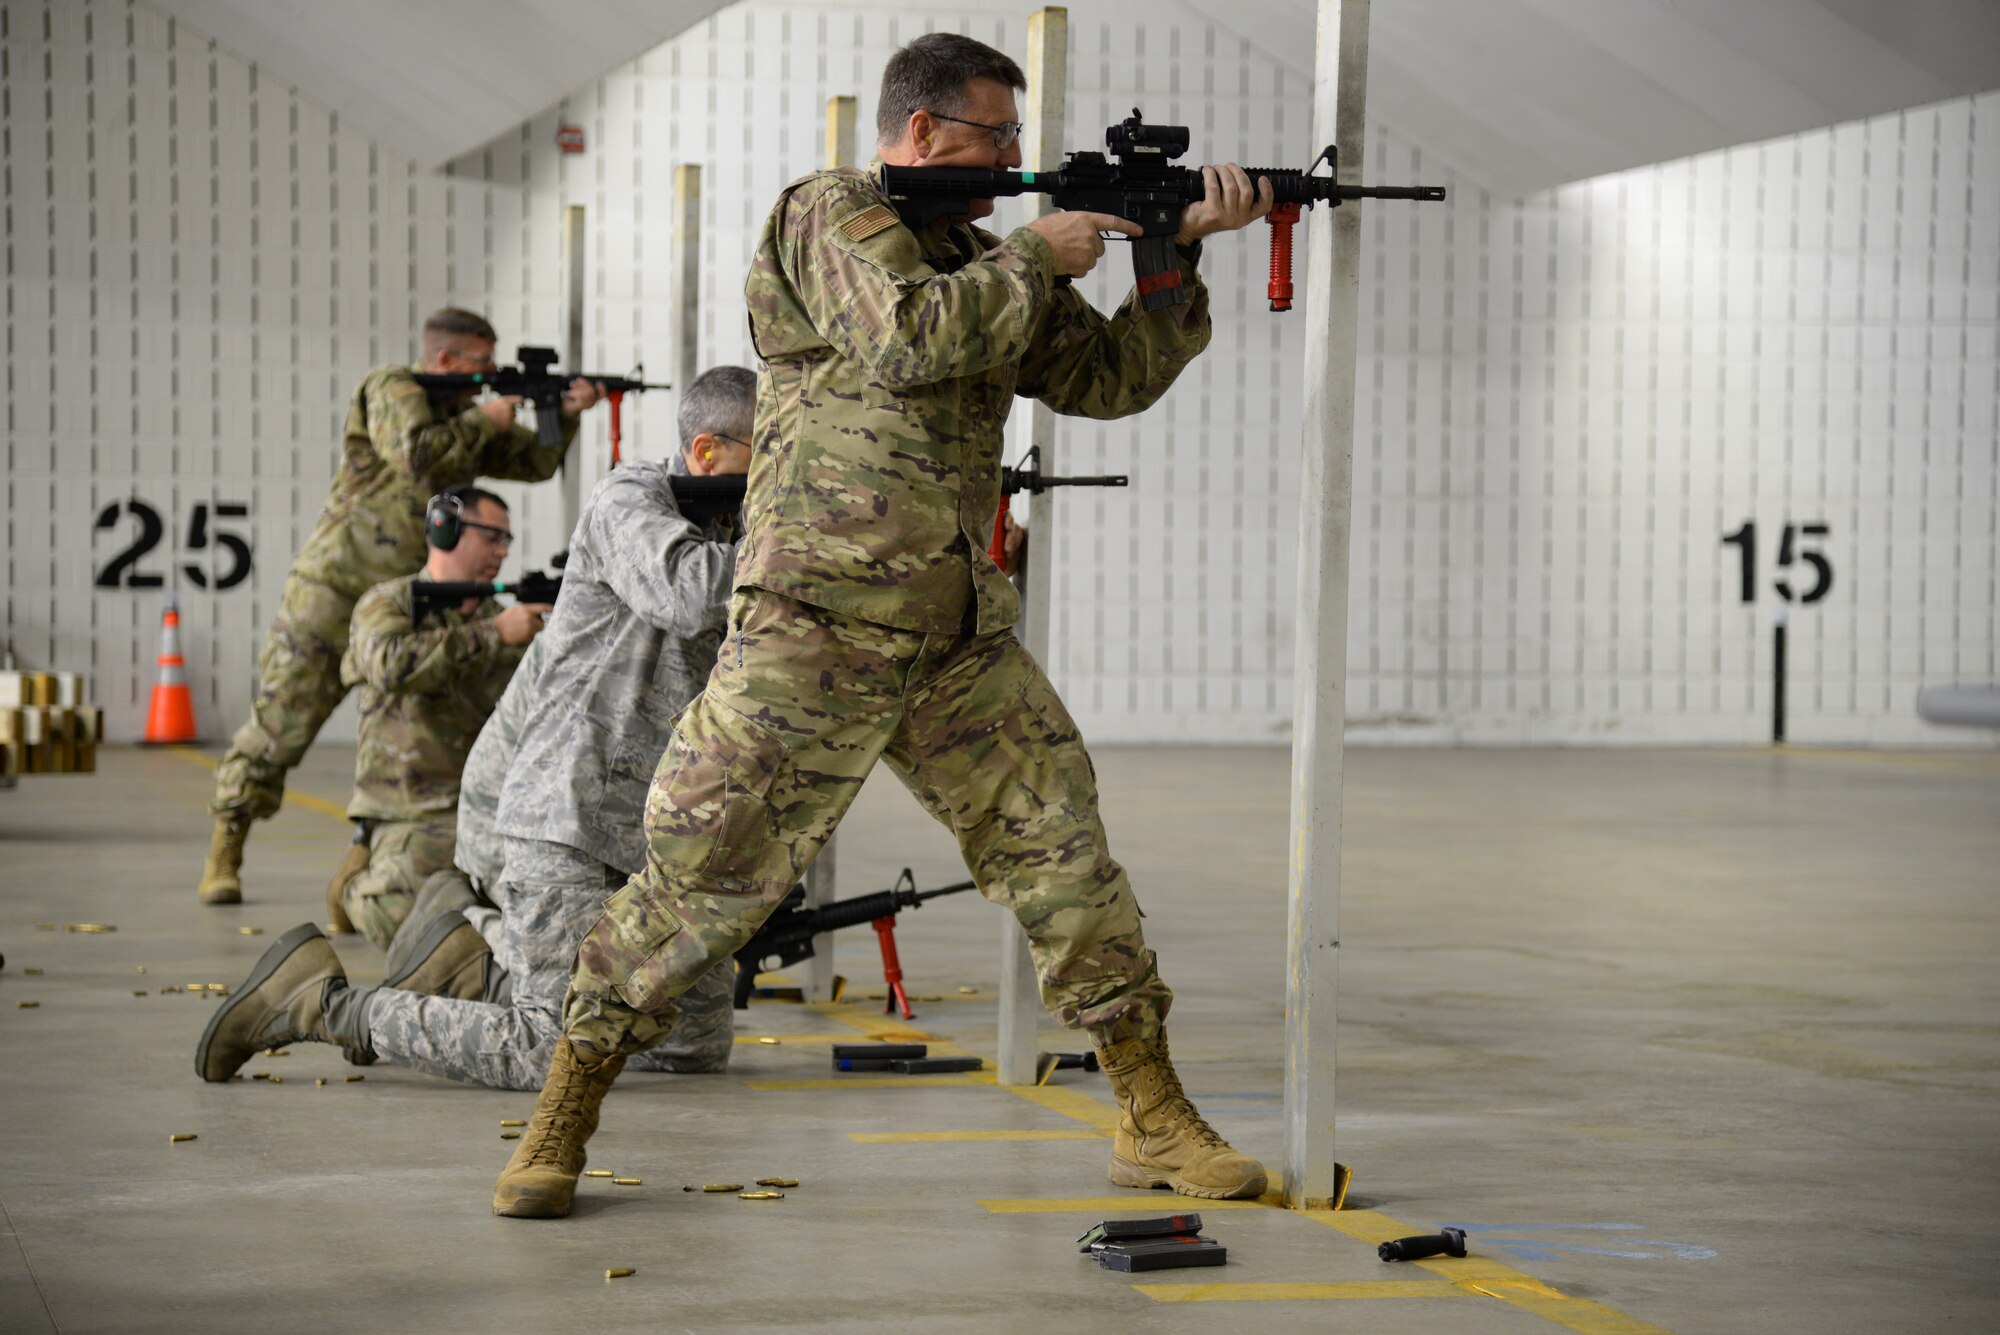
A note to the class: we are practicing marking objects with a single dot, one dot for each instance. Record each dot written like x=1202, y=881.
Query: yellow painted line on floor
x=1092, y=1204
x=1072, y=1103
x=292, y=795
x=970, y=1080
x=1298, y=1292
x=948, y=1137
x=1458, y=1278
x=1578, y=1314
x=1513, y=1287
x=887, y=1028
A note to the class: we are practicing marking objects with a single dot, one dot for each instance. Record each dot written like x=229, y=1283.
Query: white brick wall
x=1566, y=401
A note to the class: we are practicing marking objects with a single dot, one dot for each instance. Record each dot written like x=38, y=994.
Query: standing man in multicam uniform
x=869, y=624
x=399, y=450
x=427, y=686
x=575, y=739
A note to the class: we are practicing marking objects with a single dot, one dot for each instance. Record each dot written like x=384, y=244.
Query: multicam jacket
x=891, y=359
x=425, y=691
x=644, y=600
x=398, y=452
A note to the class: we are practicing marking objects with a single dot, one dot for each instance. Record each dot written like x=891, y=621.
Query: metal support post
x=570, y=487
x=687, y=275
x=1041, y=148
x=819, y=882
x=1326, y=485
x=840, y=132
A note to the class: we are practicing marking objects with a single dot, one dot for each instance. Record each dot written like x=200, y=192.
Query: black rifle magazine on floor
x=1117, y=1230
x=1178, y=1251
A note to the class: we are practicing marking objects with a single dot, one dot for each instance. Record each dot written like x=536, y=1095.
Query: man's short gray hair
x=721, y=401
x=931, y=74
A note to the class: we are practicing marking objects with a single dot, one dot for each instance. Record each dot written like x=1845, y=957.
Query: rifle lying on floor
x=787, y=935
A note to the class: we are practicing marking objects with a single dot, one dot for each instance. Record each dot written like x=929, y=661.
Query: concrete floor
x=1696, y=1040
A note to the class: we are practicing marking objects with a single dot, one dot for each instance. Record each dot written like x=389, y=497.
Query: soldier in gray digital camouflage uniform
x=868, y=623
x=427, y=685
x=399, y=449
x=550, y=816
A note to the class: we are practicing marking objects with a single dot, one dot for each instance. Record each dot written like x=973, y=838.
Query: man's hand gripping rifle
x=786, y=938
x=1144, y=188
x=536, y=381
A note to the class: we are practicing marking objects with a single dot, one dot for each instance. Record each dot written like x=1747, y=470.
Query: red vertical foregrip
x=998, y=551
x=1282, y=217
x=892, y=968
x=616, y=397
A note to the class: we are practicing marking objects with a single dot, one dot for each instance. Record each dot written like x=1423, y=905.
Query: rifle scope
x=1133, y=137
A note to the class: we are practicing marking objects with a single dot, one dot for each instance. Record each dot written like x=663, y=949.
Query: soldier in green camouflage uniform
x=427, y=687
x=868, y=622
x=399, y=449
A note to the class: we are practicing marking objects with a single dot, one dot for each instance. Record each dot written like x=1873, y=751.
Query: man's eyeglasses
x=1005, y=133
x=498, y=537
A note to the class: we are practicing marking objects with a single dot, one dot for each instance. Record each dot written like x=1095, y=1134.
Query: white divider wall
x=1566, y=402
x=199, y=268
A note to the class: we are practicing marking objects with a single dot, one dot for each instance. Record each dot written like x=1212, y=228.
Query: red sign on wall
x=569, y=138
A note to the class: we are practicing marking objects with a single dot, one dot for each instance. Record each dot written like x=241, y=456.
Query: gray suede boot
x=286, y=999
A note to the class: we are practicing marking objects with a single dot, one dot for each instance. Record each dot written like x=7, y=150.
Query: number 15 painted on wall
x=1789, y=549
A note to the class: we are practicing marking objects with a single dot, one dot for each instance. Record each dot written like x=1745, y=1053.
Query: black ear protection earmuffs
x=444, y=521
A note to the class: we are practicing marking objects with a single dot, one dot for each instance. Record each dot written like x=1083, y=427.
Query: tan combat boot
x=282, y=1001
x=1161, y=1140
x=221, y=875
x=540, y=1180
x=352, y=864
x=450, y=960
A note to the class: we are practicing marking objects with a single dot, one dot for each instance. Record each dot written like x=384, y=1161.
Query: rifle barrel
x=1429, y=192
x=956, y=887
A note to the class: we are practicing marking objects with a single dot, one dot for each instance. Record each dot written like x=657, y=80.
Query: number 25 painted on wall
x=123, y=571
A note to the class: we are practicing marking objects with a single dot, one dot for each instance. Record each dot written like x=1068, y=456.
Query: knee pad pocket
x=708, y=813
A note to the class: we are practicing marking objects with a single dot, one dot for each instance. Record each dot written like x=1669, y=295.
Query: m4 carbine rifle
x=787, y=935
x=1029, y=477
x=536, y=381
x=428, y=596
x=1143, y=187
x=700, y=499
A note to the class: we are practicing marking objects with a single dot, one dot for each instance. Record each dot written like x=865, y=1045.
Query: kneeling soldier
x=551, y=803
x=426, y=688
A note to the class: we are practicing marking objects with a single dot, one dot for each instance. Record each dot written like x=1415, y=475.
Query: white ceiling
x=1521, y=95
x=436, y=78
x=1518, y=95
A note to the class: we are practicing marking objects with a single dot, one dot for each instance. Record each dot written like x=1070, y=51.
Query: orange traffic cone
x=171, y=718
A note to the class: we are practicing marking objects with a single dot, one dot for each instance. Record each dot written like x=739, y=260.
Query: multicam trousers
x=298, y=687
x=402, y=855
x=548, y=896
x=764, y=763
